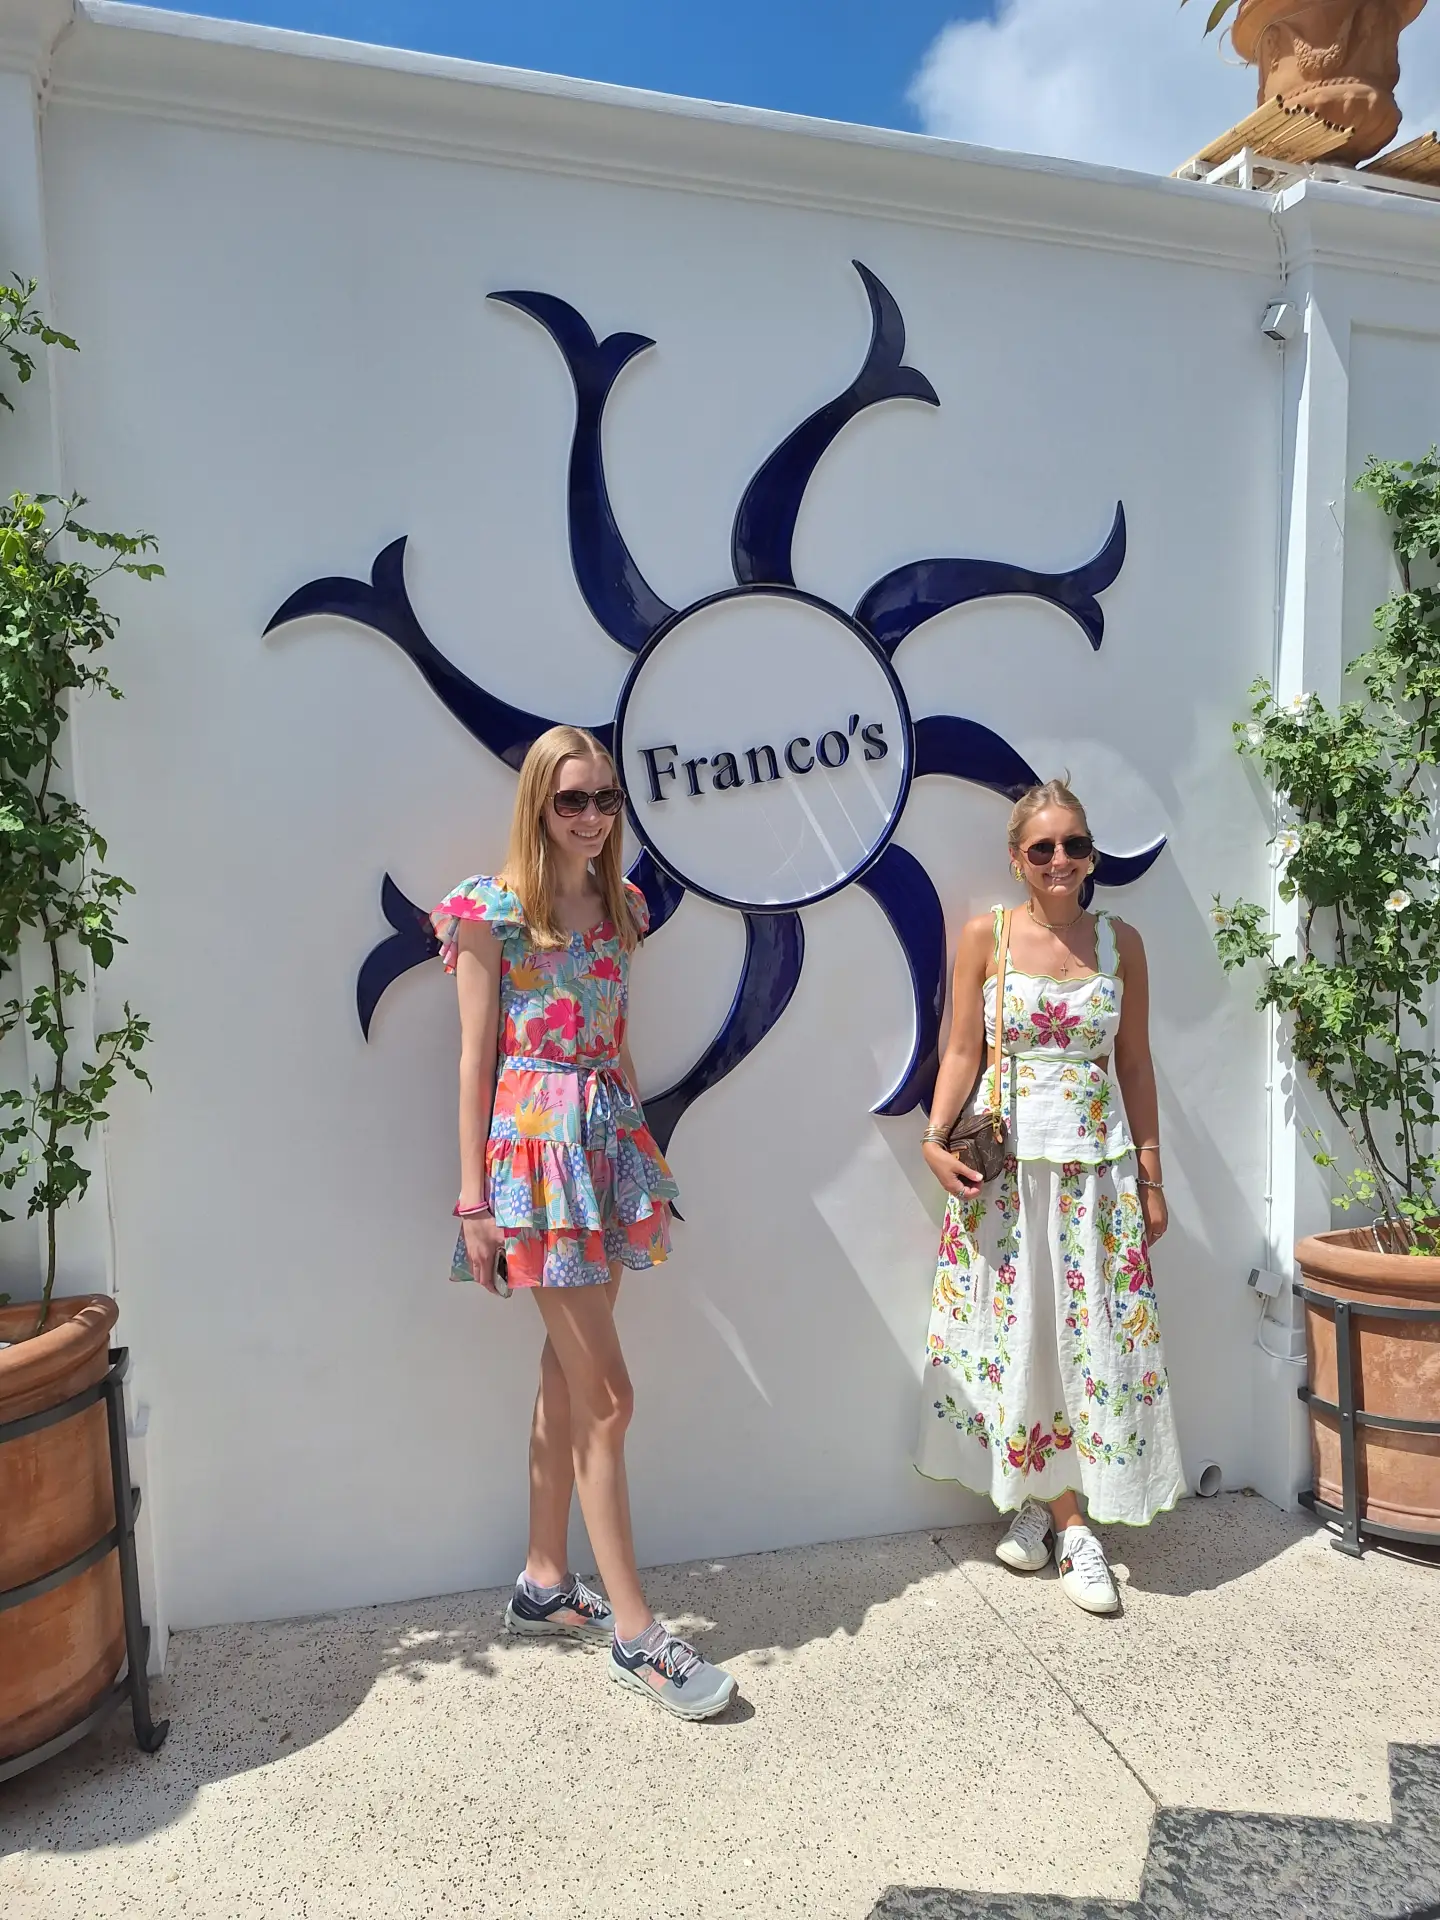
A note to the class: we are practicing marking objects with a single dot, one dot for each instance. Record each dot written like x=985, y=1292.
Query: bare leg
x=1065, y=1512
x=580, y=1323
x=552, y=1475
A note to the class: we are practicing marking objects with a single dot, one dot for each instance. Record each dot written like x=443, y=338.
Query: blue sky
x=840, y=59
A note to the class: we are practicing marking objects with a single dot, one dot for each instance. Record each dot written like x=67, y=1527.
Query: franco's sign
x=763, y=734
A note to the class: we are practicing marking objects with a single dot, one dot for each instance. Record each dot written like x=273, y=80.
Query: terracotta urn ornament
x=1337, y=58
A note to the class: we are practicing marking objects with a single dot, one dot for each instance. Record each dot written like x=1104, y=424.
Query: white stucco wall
x=277, y=264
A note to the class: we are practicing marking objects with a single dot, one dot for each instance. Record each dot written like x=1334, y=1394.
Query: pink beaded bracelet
x=470, y=1213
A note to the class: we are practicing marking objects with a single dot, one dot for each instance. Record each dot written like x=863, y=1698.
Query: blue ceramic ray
x=615, y=590
x=411, y=945
x=967, y=751
x=663, y=894
x=383, y=604
x=774, y=953
x=907, y=895
x=764, y=529
x=904, y=599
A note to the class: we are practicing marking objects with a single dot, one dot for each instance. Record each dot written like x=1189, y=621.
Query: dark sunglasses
x=1076, y=846
x=571, y=802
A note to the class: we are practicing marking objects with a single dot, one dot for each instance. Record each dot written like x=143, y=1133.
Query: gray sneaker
x=575, y=1612
x=672, y=1674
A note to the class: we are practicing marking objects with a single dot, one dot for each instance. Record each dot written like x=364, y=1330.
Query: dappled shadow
x=244, y=1697
x=1251, y=1866
x=769, y=1604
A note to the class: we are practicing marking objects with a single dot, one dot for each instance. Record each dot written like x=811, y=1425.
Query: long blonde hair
x=1052, y=793
x=529, y=865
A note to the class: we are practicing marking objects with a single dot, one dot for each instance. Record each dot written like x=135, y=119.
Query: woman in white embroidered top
x=1045, y=1376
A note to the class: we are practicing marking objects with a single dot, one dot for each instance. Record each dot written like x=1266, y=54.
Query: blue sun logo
x=765, y=824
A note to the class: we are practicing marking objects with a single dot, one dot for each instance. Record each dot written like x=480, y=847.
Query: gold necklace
x=1063, y=927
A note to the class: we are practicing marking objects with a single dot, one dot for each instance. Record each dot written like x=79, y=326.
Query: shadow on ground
x=1202, y=1545
x=242, y=1697
x=1250, y=1866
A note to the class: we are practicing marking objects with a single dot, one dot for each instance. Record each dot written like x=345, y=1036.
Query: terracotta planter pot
x=1339, y=58
x=61, y=1649
x=1396, y=1368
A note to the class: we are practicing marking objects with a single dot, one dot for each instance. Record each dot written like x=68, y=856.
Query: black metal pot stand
x=1354, y=1529
x=133, y=1684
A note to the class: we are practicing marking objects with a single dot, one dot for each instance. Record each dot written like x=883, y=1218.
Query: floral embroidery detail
x=1123, y=1451
x=972, y=1425
x=1126, y=1269
x=1052, y=1023
x=1032, y=1452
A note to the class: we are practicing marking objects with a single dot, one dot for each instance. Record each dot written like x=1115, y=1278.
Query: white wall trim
x=29, y=31
x=251, y=79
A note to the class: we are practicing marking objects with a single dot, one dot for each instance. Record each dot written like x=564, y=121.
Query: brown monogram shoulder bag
x=982, y=1140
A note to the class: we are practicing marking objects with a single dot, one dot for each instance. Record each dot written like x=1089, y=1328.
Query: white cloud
x=1126, y=83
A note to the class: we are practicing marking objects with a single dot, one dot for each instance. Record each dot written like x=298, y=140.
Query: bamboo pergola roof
x=1417, y=160
x=1277, y=132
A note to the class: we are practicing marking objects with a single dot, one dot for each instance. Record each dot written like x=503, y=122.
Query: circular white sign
x=765, y=746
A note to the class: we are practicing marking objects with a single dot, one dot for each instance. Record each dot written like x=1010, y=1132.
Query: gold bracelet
x=1150, y=1146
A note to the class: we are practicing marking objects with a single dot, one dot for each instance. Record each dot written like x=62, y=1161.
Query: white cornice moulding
x=254, y=79
x=1328, y=226
x=29, y=30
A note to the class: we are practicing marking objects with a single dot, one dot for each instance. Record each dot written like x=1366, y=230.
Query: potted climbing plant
x=1340, y=59
x=58, y=906
x=1358, y=809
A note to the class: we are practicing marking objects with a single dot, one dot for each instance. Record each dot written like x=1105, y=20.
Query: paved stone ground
x=920, y=1734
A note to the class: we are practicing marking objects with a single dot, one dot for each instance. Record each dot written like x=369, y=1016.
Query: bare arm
x=477, y=975
x=1135, y=1070
x=960, y=1061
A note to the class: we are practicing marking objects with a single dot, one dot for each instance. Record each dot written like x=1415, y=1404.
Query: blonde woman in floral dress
x=1045, y=1378
x=563, y=1188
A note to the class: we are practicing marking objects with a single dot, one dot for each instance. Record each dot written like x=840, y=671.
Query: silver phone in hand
x=502, y=1277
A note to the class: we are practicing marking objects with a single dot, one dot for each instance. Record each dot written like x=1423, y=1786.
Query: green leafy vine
x=53, y=880
x=1357, y=850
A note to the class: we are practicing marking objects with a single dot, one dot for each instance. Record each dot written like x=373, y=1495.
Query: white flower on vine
x=1398, y=901
x=1299, y=704
x=1219, y=916
x=1287, y=845
x=1255, y=733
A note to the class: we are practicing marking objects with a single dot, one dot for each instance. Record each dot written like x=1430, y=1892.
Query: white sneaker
x=1026, y=1546
x=1084, y=1571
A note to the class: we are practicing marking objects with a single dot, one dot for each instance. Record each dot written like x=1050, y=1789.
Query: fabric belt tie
x=593, y=1075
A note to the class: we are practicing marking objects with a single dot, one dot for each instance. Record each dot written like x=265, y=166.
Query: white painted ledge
x=177, y=66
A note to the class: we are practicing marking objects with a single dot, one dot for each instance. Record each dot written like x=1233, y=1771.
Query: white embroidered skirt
x=1044, y=1369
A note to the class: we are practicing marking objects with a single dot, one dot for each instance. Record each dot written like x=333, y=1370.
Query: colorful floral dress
x=575, y=1177
x=1044, y=1369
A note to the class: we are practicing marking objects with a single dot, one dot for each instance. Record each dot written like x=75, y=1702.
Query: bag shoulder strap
x=1002, y=934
